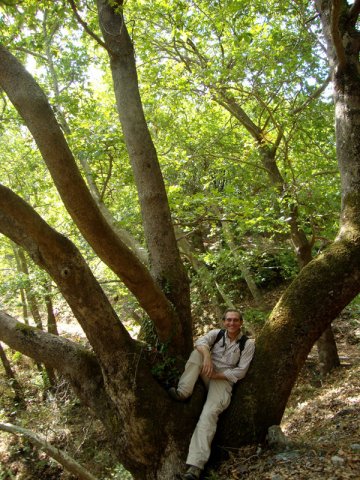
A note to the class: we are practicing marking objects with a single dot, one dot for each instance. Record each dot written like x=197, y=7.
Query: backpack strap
x=221, y=335
x=241, y=342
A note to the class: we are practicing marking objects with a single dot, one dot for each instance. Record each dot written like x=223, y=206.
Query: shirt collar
x=240, y=334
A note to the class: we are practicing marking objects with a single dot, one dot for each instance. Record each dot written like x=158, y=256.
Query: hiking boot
x=193, y=473
x=175, y=395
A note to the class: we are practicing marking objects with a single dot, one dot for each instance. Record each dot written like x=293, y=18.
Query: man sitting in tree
x=221, y=358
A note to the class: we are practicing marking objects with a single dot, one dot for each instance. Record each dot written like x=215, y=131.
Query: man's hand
x=207, y=368
x=218, y=376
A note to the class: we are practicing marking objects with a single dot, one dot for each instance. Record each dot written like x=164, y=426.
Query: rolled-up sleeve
x=208, y=339
x=237, y=373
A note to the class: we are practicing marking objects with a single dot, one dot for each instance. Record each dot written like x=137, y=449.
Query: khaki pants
x=217, y=400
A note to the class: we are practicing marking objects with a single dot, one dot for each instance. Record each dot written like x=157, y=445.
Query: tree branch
x=78, y=364
x=86, y=26
x=31, y=103
x=336, y=35
x=354, y=12
x=122, y=233
x=67, y=357
x=312, y=97
x=229, y=103
x=164, y=256
x=61, y=457
x=65, y=265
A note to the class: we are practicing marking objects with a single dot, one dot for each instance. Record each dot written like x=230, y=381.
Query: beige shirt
x=227, y=359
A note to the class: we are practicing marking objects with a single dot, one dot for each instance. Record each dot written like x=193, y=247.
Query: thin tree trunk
x=22, y=290
x=123, y=234
x=328, y=353
x=250, y=282
x=164, y=256
x=51, y=318
x=49, y=378
x=19, y=395
x=207, y=280
x=31, y=297
x=51, y=328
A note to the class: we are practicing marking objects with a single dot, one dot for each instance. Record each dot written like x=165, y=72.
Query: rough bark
x=142, y=447
x=76, y=363
x=138, y=415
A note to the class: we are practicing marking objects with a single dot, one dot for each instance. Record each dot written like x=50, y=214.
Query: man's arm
x=239, y=372
x=203, y=345
x=208, y=367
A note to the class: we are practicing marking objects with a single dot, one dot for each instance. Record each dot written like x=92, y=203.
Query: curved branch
x=229, y=103
x=71, y=359
x=78, y=364
x=61, y=457
x=312, y=301
x=85, y=25
x=74, y=361
x=354, y=12
x=65, y=265
x=31, y=103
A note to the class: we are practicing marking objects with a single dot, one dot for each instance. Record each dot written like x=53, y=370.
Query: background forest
x=238, y=101
x=239, y=108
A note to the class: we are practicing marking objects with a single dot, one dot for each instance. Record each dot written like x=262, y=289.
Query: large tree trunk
x=114, y=379
x=319, y=293
x=148, y=450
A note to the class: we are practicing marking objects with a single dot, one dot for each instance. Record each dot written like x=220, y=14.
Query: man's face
x=232, y=323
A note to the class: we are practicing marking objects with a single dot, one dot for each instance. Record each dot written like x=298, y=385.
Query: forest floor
x=321, y=425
